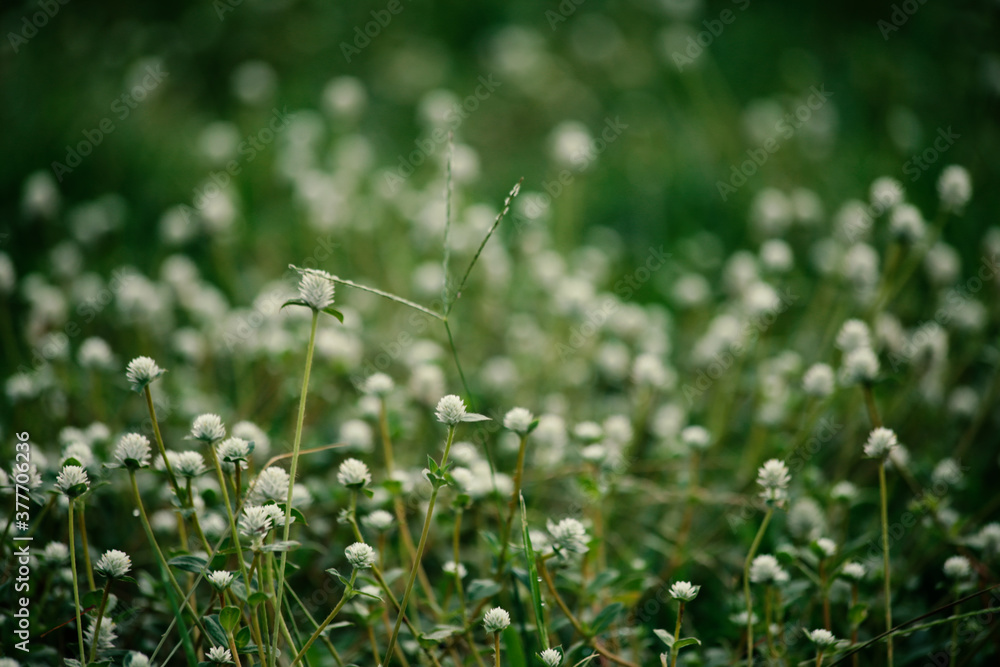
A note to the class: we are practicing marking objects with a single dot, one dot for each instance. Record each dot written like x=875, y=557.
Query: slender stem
x=229, y=513
x=159, y=441
x=746, y=582
x=456, y=535
x=100, y=617
x=86, y=550
x=194, y=518
x=420, y=554
x=294, y=468
x=819, y=658
x=854, y=628
x=232, y=648
x=518, y=475
x=871, y=405
x=825, y=589
x=454, y=354
x=329, y=644
x=76, y=583
x=496, y=649
x=953, y=648
x=677, y=634
x=885, y=555
x=329, y=619
x=768, y=601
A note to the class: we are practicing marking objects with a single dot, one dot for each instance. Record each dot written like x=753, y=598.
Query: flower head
x=880, y=443
x=208, y=428
x=450, y=567
x=568, y=535
x=142, y=371
x=379, y=520
x=233, y=451
x=360, y=555
x=551, y=657
x=354, y=474
x=696, y=437
x=684, y=591
x=773, y=477
x=114, y=564
x=860, y=366
x=450, y=410
x=220, y=656
x=954, y=187
x=957, y=567
x=854, y=334
x=826, y=547
x=765, y=570
x=271, y=484
x=72, y=480
x=189, y=464
x=132, y=451
x=519, y=420
x=220, y=579
x=818, y=381
x=821, y=637
x=496, y=620
x=255, y=521
x=853, y=570
x=379, y=384
x=316, y=289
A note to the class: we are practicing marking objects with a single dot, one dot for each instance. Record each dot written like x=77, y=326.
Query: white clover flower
x=354, y=474
x=568, y=535
x=906, y=224
x=360, y=555
x=379, y=520
x=357, y=434
x=496, y=620
x=72, y=480
x=957, y=567
x=519, y=421
x=826, y=546
x=588, y=432
x=114, y=564
x=853, y=570
x=316, y=289
x=954, y=187
x=136, y=659
x=853, y=335
x=844, y=491
x=271, y=484
x=379, y=384
x=276, y=514
x=208, y=428
x=451, y=568
x=881, y=442
x=649, y=371
x=219, y=655
x=95, y=353
x=55, y=553
x=988, y=538
x=821, y=637
x=773, y=477
x=250, y=432
x=255, y=521
x=684, y=591
x=860, y=366
x=947, y=473
x=551, y=657
x=696, y=437
x=79, y=452
x=220, y=579
x=232, y=451
x=188, y=464
x=106, y=638
x=142, y=371
x=886, y=192
x=450, y=410
x=818, y=381
x=765, y=570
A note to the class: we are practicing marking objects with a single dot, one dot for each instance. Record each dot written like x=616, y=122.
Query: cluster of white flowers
x=71, y=479
x=568, y=535
x=518, y=420
x=132, y=451
x=142, y=371
x=208, y=428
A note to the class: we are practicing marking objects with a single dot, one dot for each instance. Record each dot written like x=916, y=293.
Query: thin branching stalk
x=278, y=619
x=746, y=582
x=329, y=619
x=76, y=583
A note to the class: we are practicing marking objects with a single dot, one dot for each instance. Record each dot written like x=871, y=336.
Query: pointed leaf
x=474, y=417
x=687, y=641
x=533, y=578
x=336, y=313
x=606, y=617
x=195, y=564
x=229, y=617
x=665, y=637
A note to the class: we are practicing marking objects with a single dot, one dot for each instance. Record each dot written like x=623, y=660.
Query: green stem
x=159, y=442
x=229, y=513
x=746, y=582
x=86, y=550
x=293, y=470
x=329, y=619
x=677, y=634
x=518, y=475
x=100, y=617
x=496, y=649
x=953, y=649
x=76, y=583
x=885, y=555
x=420, y=555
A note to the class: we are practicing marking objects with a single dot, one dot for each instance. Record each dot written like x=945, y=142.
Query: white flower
x=450, y=567
x=220, y=579
x=232, y=451
x=568, y=535
x=142, y=371
x=316, y=289
x=957, y=567
x=379, y=520
x=106, y=638
x=880, y=443
x=853, y=335
x=989, y=538
x=853, y=570
x=219, y=655
x=826, y=546
x=844, y=491
x=450, y=410
x=70, y=479
x=271, y=484
x=354, y=474
x=859, y=366
x=277, y=514
x=821, y=637
x=360, y=555
x=379, y=384
x=56, y=553
x=551, y=657
x=255, y=521
x=588, y=431
x=954, y=187
x=95, y=353
x=136, y=659
x=684, y=591
x=947, y=473
x=250, y=432
x=886, y=192
x=132, y=451
x=774, y=478
x=188, y=464
x=765, y=570
x=518, y=420
x=696, y=437
x=114, y=564
x=906, y=223
x=818, y=381
x=208, y=428
x=495, y=620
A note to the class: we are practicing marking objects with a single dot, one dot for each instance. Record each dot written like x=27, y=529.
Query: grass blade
x=533, y=579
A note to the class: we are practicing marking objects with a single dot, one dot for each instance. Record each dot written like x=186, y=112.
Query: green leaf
x=296, y=514
x=533, y=578
x=256, y=598
x=229, y=617
x=295, y=302
x=480, y=589
x=439, y=635
x=215, y=630
x=282, y=545
x=336, y=313
x=242, y=638
x=606, y=617
x=665, y=637
x=432, y=465
x=91, y=599
x=687, y=641
x=341, y=578
x=195, y=564
x=532, y=426
x=603, y=579
x=474, y=417
x=858, y=613
x=515, y=651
